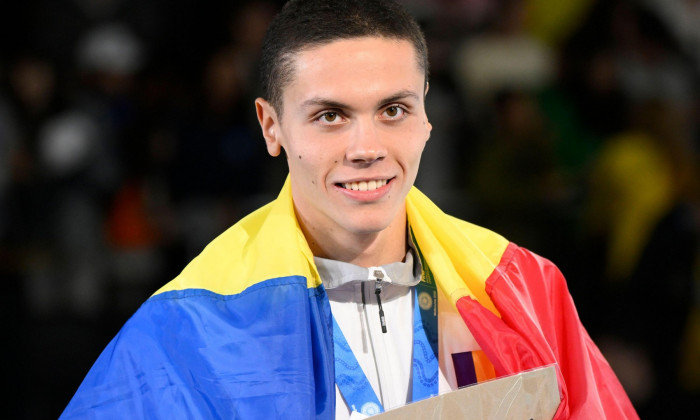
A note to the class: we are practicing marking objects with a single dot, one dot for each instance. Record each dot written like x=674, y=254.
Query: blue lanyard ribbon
x=352, y=381
x=350, y=378
x=425, y=339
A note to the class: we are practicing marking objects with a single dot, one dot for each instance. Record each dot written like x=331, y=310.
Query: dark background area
x=128, y=140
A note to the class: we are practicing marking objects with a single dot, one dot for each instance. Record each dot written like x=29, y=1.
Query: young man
x=351, y=293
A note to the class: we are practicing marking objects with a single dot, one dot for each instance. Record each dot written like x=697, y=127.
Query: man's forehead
x=353, y=58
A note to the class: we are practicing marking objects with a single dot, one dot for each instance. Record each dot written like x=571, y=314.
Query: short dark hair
x=303, y=24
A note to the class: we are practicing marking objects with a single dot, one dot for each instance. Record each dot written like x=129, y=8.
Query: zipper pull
x=379, y=275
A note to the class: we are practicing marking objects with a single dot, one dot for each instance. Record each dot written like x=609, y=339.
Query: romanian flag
x=245, y=330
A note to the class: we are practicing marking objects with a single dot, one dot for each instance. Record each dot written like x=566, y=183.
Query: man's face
x=353, y=128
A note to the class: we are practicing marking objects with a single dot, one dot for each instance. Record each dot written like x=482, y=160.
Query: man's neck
x=362, y=249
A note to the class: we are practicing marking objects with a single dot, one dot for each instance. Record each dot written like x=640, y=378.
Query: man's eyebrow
x=404, y=94
x=323, y=102
x=330, y=103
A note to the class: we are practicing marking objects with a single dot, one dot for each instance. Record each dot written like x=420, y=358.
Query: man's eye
x=329, y=117
x=394, y=112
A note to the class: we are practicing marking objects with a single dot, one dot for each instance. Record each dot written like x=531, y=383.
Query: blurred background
x=128, y=140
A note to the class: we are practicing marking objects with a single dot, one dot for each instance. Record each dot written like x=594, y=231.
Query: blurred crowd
x=128, y=140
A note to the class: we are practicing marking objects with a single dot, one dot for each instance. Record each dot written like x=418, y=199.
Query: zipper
x=379, y=276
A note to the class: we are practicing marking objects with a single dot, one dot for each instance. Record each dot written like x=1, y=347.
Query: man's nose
x=366, y=145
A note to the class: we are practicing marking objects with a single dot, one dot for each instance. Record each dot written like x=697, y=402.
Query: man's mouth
x=365, y=185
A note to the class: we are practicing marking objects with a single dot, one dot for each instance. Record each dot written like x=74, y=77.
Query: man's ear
x=427, y=123
x=269, y=123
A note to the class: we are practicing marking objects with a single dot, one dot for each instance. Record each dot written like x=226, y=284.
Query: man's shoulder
x=457, y=237
x=220, y=267
x=266, y=244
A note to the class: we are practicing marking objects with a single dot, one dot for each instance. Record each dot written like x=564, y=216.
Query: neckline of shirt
x=336, y=274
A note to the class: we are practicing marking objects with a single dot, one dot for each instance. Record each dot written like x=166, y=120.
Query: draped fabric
x=539, y=326
x=245, y=330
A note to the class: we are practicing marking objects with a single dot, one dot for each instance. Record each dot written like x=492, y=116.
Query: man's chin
x=369, y=220
x=365, y=227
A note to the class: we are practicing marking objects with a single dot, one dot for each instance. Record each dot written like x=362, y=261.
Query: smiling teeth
x=365, y=185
